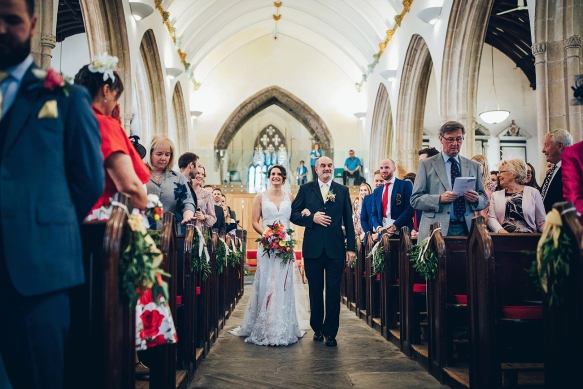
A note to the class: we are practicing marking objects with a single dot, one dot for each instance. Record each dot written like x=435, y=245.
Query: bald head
x=387, y=169
x=324, y=169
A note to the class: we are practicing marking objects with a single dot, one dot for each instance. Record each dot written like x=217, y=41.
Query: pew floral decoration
x=378, y=259
x=424, y=258
x=200, y=254
x=553, y=254
x=140, y=264
x=235, y=255
x=222, y=255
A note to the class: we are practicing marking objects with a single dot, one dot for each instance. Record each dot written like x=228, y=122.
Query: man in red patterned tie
x=391, y=207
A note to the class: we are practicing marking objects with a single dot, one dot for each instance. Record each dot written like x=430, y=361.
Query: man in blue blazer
x=366, y=209
x=51, y=174
x=396, y=212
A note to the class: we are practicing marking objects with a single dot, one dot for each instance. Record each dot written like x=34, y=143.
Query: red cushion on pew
x=251, y=254
x=460, y=298
x=178, y=300
x=419, y=288
x=522, y=312
x=378, y=276
x=298, y=254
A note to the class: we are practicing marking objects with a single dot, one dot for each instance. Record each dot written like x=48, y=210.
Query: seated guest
x=489, y=186
x=221, y=223
x=364, y=190
x=205, y=212
x=125, y=171
x=171, y=187
x=366, y=208
x=531, y=177
x=351, y=167
x=515, y=208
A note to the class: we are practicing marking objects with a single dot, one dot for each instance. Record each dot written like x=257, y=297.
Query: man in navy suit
x=366, y=209
x=51, y=174
x=391, y=207
x=323, y=207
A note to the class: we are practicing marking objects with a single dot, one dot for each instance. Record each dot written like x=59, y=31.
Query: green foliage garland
x=221, y=256
x=378, y=260
x=200, y=263
x=235, y=257
x=427, y=265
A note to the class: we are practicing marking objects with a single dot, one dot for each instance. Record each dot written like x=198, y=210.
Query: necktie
x=547, y=181
x=3, y=76
x=386, y=199
x=323, y=191
x=459, y=205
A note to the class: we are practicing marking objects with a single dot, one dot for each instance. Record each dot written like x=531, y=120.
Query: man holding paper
x=446, y=188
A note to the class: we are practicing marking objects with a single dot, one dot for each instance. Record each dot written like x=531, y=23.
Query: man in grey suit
x=432, y=192
x=51, y=174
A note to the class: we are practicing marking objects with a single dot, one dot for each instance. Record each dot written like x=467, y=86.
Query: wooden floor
x=363, y=359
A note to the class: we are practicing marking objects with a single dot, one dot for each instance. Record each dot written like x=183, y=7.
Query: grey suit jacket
x=431, y=182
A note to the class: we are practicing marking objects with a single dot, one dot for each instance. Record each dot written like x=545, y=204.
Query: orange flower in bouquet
x=278, y=242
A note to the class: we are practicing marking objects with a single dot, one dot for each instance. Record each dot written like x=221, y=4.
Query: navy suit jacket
x=401, y=210
x=366, y=213
x=51, y=174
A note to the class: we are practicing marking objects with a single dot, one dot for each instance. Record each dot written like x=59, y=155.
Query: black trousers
x=314, y=174
x=33, y=332
x=346, y=175
x=325, y=319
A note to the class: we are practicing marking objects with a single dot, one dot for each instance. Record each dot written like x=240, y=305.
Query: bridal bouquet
x=278, y=241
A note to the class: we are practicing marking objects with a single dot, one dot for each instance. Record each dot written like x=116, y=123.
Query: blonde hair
x=486, y=169
x=161, y=141
x=517, y=167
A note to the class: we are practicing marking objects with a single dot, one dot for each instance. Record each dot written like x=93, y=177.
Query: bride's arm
x=256, y=214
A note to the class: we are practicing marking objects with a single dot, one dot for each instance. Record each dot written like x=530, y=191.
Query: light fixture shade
x=140, y=9
x=494, y=117
x=429, y=15
x=360, y=115
x=389, y=74
x=195, y=114
x=173, y=72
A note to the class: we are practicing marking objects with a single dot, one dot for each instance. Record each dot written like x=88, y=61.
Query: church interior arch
x=382, y=130
x=180, y=119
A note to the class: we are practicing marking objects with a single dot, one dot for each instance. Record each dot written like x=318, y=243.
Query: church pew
x=375, y=289
x=213, y=288
x=390, y=290
x=100, y=349
x=497, y=279
x=446, y=314
x=563, y=335
x=363, y=273
x=222, y=294
x=242, y=239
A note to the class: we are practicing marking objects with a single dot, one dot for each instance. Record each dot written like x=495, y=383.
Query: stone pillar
x=539, y=50
x=573, y=59
x=44, y=40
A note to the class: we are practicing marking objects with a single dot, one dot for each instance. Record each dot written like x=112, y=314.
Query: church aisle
x=363, y=359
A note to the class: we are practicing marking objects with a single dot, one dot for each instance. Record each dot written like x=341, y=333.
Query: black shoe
x=331, y=341
x=318, y=337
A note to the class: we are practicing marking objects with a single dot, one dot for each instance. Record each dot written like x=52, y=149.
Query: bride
x=270, y=318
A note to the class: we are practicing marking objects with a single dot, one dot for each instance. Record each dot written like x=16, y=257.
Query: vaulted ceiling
x=346, y=31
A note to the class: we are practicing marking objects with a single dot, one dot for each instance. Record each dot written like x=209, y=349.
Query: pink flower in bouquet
x=268, y=233
x=53, y=80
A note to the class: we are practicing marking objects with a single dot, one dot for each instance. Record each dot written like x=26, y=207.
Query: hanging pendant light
x=497, y=115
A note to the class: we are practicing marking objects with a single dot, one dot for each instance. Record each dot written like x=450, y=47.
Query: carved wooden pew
x=213, y=289
x=363, y=273
x=563, y=335
x=390, y=290
x=102, y=332
x=497, y=281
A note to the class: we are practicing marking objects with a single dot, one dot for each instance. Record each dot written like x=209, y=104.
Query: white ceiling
x=346, y=31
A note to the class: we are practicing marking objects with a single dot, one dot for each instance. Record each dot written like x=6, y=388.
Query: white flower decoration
x=105, y=64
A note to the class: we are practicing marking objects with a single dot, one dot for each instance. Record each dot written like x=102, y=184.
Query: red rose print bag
x=154, y=324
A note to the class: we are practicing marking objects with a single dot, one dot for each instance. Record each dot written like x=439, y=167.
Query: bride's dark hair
x=281, y=169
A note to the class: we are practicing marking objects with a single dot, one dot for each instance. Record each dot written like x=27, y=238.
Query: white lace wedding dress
x=270, y=318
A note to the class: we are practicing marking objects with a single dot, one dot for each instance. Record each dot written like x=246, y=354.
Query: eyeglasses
x=451, y=140
x=503, y=171
x=529, y=172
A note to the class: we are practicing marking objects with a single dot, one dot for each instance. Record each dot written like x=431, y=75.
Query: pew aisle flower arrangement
x=378, y=259
x=278, y=242
x=424, y=259
x=222, y=255
x=200, y=254
x=235, y=254
x=553, y=256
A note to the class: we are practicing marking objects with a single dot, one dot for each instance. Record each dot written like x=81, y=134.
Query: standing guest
x=125, y=170
x=416, y=214
x=52, y=174
x=572, y=161
x=531, y=177
x=489, y=186
x=516, y=207
x=302, y=173
x=314, y=155
x=363, y=191
x=391, y=207
x=552, y=187
x=427, y=152
x=351, y=167
x=221, y=223
x=232, y=220
x=432, y=192
x=188, y=163
x=494, y=176
x=205, y=212
x=410, y=177
x=169, y=186
x=366, y=208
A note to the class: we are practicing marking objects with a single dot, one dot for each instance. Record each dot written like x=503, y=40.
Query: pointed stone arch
x=411, y=108
x=155, y=73
x=381, y=139
x=466, y=31
x=181, y=119
x=274, y=95
x=106, y=30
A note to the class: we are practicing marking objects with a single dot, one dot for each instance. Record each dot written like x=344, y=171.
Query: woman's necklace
x=157, y=177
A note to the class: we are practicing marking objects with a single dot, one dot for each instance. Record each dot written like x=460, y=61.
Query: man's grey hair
x=560, y=136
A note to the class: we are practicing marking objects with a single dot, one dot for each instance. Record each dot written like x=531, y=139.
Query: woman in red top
x=125, y=171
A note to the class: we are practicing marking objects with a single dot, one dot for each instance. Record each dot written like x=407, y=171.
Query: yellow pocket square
x=49, y=110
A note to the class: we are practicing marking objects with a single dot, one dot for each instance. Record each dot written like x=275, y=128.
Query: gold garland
x=172, y=31
x=383, y=45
